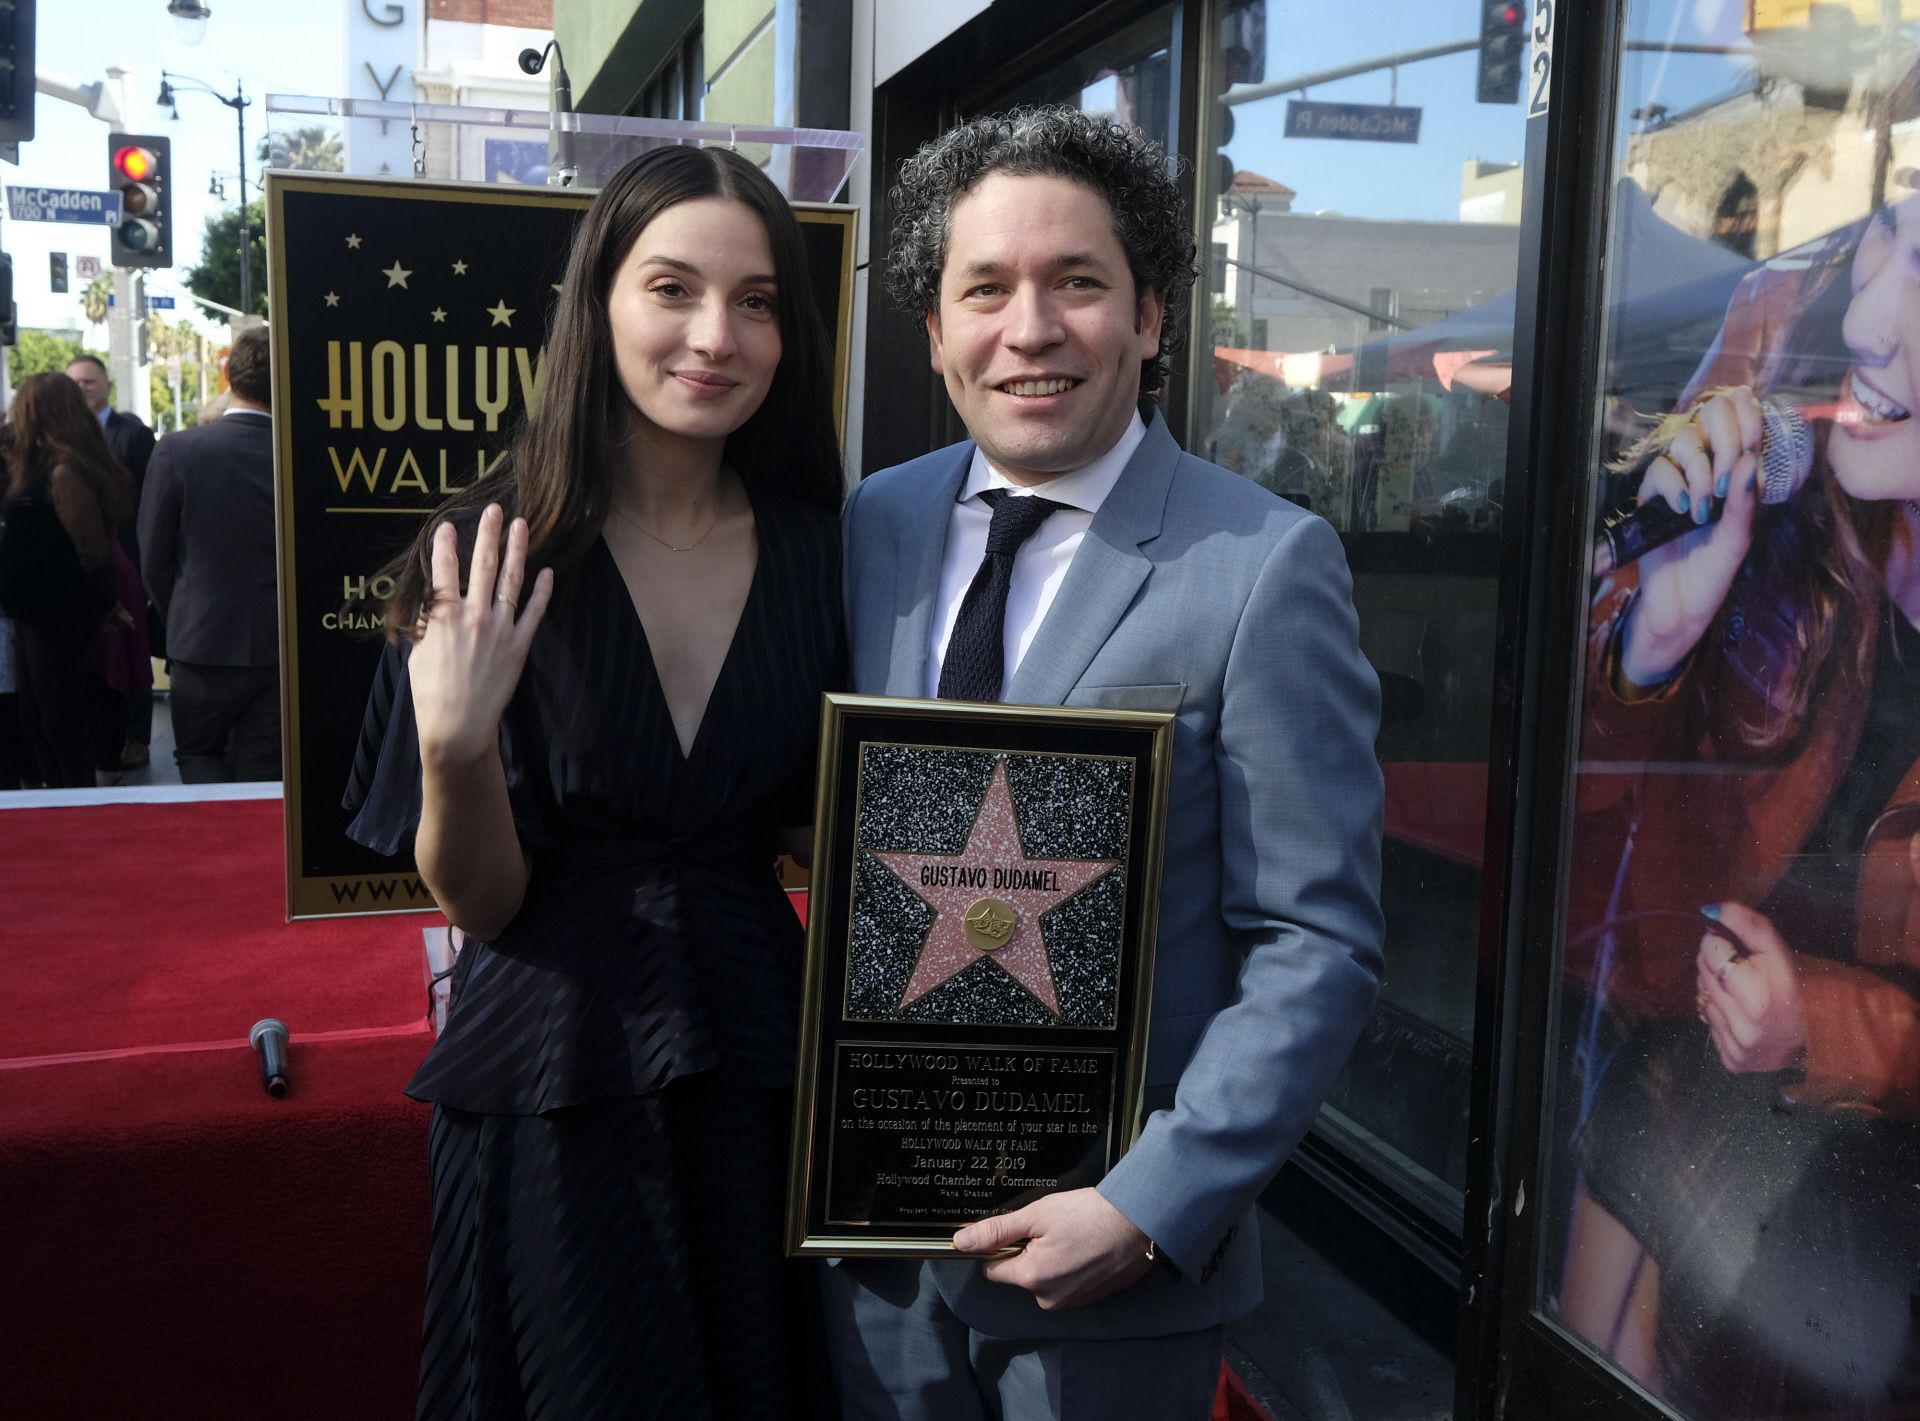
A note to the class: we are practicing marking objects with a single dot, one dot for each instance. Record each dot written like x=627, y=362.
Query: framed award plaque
x=979, y=964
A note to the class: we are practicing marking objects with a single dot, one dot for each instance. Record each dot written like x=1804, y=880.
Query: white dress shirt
x=1041, y=564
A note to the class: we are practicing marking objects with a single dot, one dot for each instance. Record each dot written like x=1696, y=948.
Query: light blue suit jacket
x=1198, y=592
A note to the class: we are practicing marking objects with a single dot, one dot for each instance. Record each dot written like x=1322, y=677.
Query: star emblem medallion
x=988, y=900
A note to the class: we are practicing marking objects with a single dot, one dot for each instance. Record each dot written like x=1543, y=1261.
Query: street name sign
x=1360, y=123
x=63, y=204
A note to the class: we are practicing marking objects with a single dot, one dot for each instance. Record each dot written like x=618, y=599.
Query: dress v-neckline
x=685, y=756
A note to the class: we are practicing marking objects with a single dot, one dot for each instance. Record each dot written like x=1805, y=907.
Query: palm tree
x=93, y=301
x=164, y=340
x=312, y=150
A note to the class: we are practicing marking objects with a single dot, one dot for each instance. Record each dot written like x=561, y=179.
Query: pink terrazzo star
x=993, y=843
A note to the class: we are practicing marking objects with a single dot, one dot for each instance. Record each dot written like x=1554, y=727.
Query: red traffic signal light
x=140, y=175
x=134, y=163
x=1503, y=39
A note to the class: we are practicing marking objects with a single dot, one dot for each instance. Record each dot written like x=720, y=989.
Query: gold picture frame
x=979, y=973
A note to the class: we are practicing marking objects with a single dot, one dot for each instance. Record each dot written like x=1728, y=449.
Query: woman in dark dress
x=596, y=745
x=66, y=493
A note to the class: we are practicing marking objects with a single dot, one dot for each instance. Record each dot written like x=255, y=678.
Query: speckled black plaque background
x=927, y=1102
x=923, y=800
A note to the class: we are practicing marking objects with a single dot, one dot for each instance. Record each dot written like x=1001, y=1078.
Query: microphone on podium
x=269, y=1038
x=1786, y=458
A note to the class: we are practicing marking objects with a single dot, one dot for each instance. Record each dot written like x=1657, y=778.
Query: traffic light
x=16, y=71
x=57, y=272
x=140, y=170
x=1503, y=40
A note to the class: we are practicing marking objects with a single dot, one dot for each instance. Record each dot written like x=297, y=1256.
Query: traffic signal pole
x=130, y=381
x=106, y=100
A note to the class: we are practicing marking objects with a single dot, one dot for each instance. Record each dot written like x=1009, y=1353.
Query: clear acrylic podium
x=460, y=143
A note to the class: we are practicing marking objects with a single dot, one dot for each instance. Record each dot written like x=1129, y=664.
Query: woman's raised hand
x=473, y=645
x=1713, y=457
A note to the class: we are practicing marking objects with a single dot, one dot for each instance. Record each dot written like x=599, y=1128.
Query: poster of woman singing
x=1737, y=1125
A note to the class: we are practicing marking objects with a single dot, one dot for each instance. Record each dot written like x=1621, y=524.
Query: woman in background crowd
x=65, y=581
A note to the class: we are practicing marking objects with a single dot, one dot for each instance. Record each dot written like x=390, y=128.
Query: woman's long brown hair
x=1838, y=570
x=558, y=474
x=52, y=427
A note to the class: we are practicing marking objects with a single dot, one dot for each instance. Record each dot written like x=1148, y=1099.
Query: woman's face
x=694, y=309
x=1875, y=446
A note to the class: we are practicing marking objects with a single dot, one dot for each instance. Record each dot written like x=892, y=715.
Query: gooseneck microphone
x=560, y=101
x=269, y=1038
x=1786, y=458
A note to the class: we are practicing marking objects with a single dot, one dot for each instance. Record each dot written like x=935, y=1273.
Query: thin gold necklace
x=670, y=547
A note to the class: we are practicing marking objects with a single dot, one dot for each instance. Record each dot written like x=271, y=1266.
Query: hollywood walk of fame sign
x=979, y=964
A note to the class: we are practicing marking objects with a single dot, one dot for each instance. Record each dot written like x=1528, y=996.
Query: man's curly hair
x=1128, y=169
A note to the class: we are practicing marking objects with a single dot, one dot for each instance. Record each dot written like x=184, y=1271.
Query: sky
x=268, y=46
x=1410, y=182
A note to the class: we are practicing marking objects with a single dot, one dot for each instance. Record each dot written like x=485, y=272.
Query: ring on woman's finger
x=502, y=597
x=1700, y=1005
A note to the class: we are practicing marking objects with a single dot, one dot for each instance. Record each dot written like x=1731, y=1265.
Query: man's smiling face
x=1039, y=330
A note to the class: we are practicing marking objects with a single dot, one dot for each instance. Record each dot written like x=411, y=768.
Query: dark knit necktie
x=976, y=660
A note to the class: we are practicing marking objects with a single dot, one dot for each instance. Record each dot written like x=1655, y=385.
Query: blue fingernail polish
x=1712, y=910
x=1684, y=501
x=1702, y=511
x=1720, y=485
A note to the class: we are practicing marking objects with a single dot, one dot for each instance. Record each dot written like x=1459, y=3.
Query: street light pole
x=237, y=101
x=246, y=236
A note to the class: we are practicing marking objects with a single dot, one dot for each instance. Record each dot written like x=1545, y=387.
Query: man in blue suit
x=1070, y=554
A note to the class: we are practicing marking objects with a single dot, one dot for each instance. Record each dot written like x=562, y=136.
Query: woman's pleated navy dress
x=612, y=1090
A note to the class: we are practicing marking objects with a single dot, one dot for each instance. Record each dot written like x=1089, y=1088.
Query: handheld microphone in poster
x=1786, y=458
x=269, y=1038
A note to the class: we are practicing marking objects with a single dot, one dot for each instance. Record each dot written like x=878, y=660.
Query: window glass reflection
x=1126, y=75
x=1362, y=214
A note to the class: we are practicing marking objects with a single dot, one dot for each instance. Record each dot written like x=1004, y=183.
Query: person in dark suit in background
x=206, y=538
x=132, y=445
x=127, y=434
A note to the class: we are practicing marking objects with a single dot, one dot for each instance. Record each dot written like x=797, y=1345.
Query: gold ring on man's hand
x=502, y=597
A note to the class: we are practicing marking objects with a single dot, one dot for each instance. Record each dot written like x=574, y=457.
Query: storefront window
x=1733, y=1207
x=1361, y=199
x=1126, y=75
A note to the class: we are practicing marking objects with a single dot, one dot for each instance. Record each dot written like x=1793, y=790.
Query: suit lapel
x=921, y=547
x=1106, y=573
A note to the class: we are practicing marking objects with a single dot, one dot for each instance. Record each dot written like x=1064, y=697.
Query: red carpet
x=178, y=1243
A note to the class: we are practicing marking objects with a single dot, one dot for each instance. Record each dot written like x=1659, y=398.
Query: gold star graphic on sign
x=353, y=240
x=502, y=314
x=459, y=268
x=438, y=315
x=396, y=275
x=333, y=298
